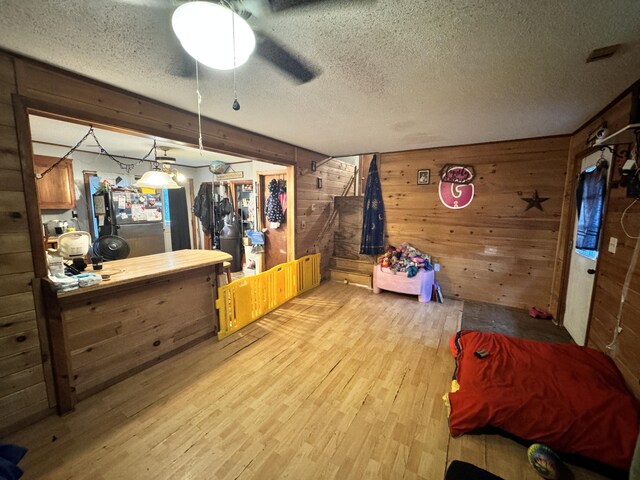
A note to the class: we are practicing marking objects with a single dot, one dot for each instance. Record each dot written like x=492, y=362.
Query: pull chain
x=236, y=104
x=200, y=143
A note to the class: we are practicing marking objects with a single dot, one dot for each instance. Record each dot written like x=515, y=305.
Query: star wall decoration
x=535, y=201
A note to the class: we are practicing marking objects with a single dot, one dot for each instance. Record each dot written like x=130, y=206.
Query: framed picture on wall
x=424, y=177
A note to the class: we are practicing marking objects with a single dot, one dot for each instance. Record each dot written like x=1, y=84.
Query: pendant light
x=156, y=178
x=214, y=35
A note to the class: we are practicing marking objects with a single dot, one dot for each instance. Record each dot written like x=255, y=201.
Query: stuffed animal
x=405, y=258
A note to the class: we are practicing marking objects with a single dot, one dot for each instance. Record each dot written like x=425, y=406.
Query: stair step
x=351, y=277
x=349, y=249
x=352, y=265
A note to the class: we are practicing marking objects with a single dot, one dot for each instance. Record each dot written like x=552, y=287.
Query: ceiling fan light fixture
x=206, y=32
x=156, y=179
x=166, y=160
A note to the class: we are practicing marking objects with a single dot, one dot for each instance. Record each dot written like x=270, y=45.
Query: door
x=582, y=267
x=275, y=242
x=178, y=217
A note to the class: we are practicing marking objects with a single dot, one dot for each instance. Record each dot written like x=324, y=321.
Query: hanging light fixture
x=209, y=32
x=156, y=178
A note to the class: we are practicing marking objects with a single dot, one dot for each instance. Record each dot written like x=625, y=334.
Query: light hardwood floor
x=338, y=383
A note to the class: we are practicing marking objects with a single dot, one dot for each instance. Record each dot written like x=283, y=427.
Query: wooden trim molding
x=53, y=91
x=62, y=376
x=23, y=131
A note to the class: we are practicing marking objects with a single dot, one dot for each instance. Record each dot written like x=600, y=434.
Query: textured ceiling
x=396, y=75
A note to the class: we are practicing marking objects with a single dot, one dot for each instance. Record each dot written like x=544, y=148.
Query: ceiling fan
x=274, y=52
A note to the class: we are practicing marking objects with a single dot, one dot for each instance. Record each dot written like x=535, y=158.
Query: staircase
x=347, y=265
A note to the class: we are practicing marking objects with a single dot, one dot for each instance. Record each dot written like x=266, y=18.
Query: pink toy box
x=421, y=284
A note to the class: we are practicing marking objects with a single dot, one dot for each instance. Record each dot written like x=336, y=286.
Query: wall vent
x=602, y=53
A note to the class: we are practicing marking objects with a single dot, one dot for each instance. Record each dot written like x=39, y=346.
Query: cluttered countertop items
x=72, y=246
x=68, y=272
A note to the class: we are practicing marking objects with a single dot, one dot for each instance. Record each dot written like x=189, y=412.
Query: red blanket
x=571, y=398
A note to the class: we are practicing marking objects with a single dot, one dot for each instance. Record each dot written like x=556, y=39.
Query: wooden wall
x=23, y=394
x=612, y=268
x=24, y=362
x=492, y=251
x=314, y=205
x=617, y=116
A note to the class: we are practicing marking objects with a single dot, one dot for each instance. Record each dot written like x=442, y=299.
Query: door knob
x=591, y=271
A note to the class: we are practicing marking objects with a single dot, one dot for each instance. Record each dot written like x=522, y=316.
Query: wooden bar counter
x=151, y=308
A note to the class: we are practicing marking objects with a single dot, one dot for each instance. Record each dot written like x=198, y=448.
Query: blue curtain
x=590, y=197
x=372, y=240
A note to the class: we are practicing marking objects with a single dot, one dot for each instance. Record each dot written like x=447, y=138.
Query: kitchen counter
x=149, y=267
x=151, y=308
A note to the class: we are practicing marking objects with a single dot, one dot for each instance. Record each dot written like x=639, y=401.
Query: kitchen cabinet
x=56, y=190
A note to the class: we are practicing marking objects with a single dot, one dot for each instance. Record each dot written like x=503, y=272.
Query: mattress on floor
x=571, y=398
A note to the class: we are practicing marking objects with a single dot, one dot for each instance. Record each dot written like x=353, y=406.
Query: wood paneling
x=616, y=116
x=612, y=270
x=101, y=336
x=10, y=180
x=314, y=206
x=118, y=108
x=22, y=390
x=492, y=251
x=349, y=232
x=151, y=320
x=26, y=84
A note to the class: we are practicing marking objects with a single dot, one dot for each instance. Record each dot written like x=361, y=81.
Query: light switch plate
x=436, y=267
x=613, y=244
x=313, y=207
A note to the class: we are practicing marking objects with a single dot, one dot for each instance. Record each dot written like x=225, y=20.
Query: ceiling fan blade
x=279, y=5
x=279, y=56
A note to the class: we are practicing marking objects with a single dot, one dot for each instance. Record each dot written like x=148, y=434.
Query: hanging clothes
x=590, y=198
x=283, y=198
x=273, y=208
x=372, y=240
x=202, y=207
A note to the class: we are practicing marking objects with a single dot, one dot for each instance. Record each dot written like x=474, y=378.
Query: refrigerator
x=133, y=215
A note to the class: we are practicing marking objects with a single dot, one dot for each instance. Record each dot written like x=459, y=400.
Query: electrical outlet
x=436, y=267
x=613, y=244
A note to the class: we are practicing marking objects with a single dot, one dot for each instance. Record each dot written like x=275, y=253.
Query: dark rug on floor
x=485, y=317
